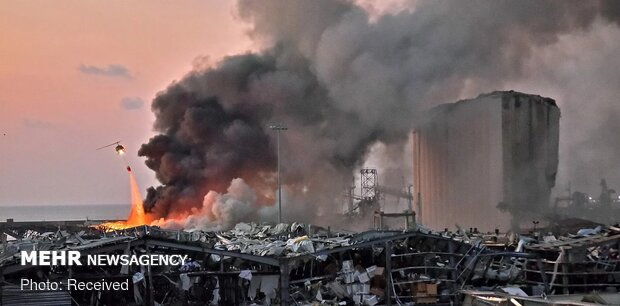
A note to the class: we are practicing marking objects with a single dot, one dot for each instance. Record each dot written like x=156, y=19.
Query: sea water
x=65, y=212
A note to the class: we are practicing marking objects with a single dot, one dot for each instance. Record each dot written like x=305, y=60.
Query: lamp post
x=279, y=127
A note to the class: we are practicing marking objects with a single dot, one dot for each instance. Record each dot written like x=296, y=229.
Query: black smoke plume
x=342, y=82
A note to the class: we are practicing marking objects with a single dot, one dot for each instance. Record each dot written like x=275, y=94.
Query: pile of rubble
x=300, y=264
x=279, y=240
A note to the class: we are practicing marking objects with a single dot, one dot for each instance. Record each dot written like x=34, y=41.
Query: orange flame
x=136, y=216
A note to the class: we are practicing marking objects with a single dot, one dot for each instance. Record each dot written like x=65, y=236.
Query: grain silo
x=481, y=162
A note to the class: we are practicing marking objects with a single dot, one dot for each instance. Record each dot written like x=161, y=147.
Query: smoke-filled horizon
x=344, y=81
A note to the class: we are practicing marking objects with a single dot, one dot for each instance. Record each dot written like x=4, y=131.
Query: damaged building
x=479, y=163
x=297, y=264
x=486, y=162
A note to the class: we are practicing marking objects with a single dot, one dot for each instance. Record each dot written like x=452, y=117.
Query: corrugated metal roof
x=100, y=242
x=15, y=296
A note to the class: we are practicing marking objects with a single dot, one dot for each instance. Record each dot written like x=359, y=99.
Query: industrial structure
x=482, y=164
x=486, y=162
x=297, y=264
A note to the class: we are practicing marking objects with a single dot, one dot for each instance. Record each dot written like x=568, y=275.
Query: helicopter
x=120, y=149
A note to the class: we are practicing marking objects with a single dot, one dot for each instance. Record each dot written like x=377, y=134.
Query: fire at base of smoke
x=219, y=211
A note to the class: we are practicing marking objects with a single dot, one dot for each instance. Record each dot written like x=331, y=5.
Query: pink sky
x=55, y=114
x=66, y=68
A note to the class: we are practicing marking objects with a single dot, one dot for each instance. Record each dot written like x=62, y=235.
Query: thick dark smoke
x=214, y=126
x=203, y=147
x=342, y=82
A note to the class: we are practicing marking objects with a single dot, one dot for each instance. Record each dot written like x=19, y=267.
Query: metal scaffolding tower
x=369, y=182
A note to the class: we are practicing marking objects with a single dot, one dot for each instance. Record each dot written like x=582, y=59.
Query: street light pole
x=279, y=127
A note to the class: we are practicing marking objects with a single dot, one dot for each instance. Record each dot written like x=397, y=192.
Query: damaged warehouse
x=310, y=153
x=301, y=264
x=252, y=263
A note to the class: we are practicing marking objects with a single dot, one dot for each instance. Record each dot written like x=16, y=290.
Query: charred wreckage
x=297, y=264
x=484, y=262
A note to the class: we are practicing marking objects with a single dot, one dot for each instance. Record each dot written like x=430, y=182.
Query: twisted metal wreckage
x=251, y=264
